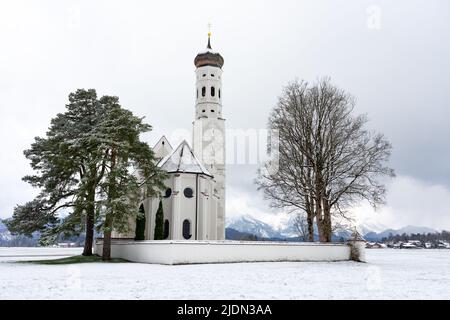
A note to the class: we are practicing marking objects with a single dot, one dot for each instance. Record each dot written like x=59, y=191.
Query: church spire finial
x=208, y=57
x=209, y=36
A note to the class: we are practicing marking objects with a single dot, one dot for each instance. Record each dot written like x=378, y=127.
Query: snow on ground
x=389, y=274
x=31, y=253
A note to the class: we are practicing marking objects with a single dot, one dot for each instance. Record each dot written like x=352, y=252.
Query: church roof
x=162, y=148
x=209, y=57
x=163, y=141
x=183, y=160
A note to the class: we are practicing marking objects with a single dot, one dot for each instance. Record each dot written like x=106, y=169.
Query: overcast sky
x=393, y=56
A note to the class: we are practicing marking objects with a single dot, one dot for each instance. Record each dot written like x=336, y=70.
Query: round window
x=188, y=193
x=168, y=193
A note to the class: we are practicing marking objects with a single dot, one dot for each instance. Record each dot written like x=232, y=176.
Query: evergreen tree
x=67, y=174
x=140, y=225
x=91, y=168
x=159, y=223
x=131, y=168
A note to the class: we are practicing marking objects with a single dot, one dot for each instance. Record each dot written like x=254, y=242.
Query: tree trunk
x=88, y=242
x=90, y=216
x=320, y=229
x=323, y=216
x=320, y=219
x=107, y=228
x=328, y=231
x=106, y=254
x=310, y=219
x=320, y=224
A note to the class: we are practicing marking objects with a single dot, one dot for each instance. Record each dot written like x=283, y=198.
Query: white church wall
x=205, y=207
x=209, y=146
x=168, y=204
x=213, y=220
x=162, y=148
x=131, y=230
x=190, y=252
x=203, y=233
x=150, y=207
x=188, y=205
x=176, y=207
x=209, y=142
x=220, y=220
x=208, y=77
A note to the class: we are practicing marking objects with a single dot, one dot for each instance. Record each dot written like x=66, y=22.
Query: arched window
x=219, y=93
x=188, y=192
x=166, y=229
x=187, y=229
x=197, y=93
x=203, y=91
x=168, y=193
x=213, y=91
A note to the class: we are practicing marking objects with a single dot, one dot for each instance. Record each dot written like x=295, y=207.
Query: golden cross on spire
x=209, y=37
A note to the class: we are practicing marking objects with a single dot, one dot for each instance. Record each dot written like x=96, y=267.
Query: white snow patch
x=389, y=274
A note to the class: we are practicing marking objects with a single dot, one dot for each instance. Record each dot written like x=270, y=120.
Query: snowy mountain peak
x=366, y=227
x=249, y=224
x=370, y=230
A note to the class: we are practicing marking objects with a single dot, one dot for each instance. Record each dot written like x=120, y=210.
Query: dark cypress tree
x=140, y=224
x=159, y=223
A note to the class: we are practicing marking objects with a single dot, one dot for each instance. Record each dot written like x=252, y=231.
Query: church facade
x=194, y=199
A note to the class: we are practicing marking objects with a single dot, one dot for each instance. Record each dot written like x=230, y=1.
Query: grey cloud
x=144, y=53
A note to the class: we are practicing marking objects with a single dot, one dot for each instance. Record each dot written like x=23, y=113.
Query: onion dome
x=209, y=57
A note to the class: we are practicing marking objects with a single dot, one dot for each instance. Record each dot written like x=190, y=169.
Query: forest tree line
x=422, y=237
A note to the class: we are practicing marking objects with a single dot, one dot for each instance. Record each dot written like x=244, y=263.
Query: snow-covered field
x=389, y=274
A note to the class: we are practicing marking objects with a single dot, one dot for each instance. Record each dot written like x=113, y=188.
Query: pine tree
x=67, y=173
x=159, y=223
x=92, y=166
x=131, y=168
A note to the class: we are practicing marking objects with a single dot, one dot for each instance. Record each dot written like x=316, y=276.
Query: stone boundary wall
x=173, y=252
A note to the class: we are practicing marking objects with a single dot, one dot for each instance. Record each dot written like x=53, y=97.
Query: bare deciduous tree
x=328, y=161
x=301, y=225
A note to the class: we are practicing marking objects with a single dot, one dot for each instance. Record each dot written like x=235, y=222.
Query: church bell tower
x=209, y=127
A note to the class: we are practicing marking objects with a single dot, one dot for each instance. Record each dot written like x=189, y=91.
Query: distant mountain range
x=250, y=225
x=374, y=236
x=249, y=228
x=4, y=233
x=245, y=226
x=9, y=240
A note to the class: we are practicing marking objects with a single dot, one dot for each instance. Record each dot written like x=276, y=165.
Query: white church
x=194, y=199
